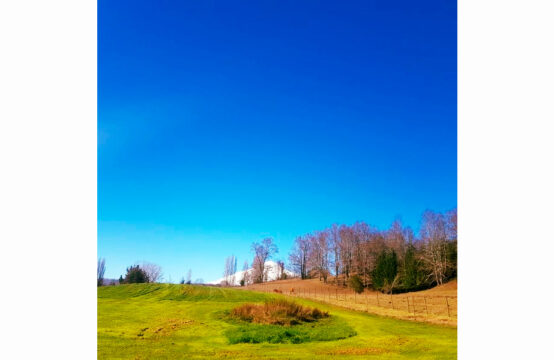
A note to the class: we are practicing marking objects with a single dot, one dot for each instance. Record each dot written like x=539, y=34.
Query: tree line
x=138, y=273
x=388, y=260
x=357, y=255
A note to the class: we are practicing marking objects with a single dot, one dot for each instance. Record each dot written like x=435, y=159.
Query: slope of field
x=438, y=305
x=162, y=321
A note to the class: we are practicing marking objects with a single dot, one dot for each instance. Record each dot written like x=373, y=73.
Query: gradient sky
x=222, y=122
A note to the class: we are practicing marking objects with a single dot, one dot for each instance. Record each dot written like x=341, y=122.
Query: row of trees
x=391, y=259
x=143, y=273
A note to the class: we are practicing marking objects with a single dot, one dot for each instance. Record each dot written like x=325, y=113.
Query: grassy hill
x=163, y=321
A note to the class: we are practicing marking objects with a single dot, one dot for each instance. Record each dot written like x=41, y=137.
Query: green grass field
x=162, y=321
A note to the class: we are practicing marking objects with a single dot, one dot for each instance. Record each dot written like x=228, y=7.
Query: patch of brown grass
x=355, y=351
x=165, y=328
x=277, y=312
x=425, y=306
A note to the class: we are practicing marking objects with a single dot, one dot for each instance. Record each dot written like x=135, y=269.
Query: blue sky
x=220, y=123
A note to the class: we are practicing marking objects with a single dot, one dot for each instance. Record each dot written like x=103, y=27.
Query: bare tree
x=361, y=243
x=100, y=270
x=230, y=270
x=281, y=275
x=434, y=236
x=395, y=239
x=262, y=252
x=298, y=257
x=153, y=271
x=334, y=241
x=189, y=277
x=318, y=257
x=347, y=249
x=452, y=225
x=245, y=275
x=258, y=271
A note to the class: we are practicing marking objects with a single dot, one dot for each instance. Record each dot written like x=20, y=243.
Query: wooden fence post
x=447, y=306
x=426, y=309
x=408, y=303
x=377, y=298
x=391, y=303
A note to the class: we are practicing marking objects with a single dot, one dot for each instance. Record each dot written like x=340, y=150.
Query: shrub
x=135, y=275
x=277, y=312
x=356, y=284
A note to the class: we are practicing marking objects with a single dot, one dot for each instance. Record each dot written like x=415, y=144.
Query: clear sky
x=222, y=122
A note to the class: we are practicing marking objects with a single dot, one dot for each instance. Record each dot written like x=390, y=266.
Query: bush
x=356, y=284
x=135, y=275
x=277, y=312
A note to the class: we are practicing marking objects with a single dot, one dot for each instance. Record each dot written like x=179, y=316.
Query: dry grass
x=277, y=312
x=437, y=305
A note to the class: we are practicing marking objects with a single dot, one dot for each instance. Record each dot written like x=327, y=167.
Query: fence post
x=408, y=303
x=426, y=309
x=391, y=303
x=447, y=306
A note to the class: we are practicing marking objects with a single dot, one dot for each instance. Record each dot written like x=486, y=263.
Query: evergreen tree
x=356, y=284
x=385, y=271
x=413, y=272
x=135, y=275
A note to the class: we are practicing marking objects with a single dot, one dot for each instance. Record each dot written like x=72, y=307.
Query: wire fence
x=409, y=305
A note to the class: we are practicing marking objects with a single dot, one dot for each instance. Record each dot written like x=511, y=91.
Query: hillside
x=437, y=305
x=170, y=321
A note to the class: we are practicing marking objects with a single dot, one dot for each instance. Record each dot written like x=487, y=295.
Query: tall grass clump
x=277, y=312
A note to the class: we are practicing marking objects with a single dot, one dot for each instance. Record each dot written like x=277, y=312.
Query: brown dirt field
x=437, y=305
